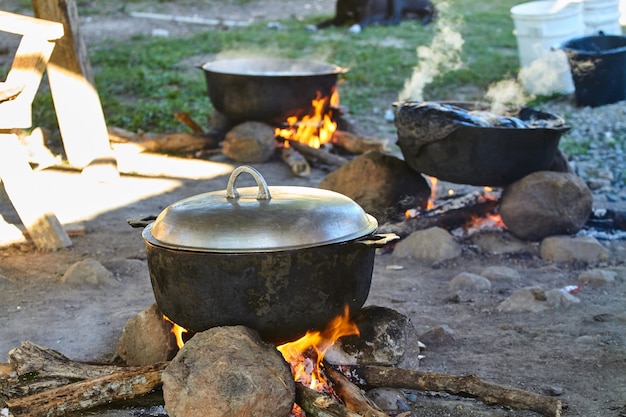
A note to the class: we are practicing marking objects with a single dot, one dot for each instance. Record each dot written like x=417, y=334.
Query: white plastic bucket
x=602, y=16
x=540, y=27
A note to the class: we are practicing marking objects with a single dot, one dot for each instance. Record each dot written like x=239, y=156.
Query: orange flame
x=314, y=129
x=306, y=354
x=178, y=332
x=433, y=193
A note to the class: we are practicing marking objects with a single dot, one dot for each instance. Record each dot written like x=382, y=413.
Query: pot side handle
x=231, y=190
x=379, y=240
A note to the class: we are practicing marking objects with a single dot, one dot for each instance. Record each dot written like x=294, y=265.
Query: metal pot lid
x=259, y=219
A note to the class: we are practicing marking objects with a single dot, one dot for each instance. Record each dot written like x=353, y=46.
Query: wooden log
x=30, y=358
x=316, y=404
x=318, y=156
x=90, y=393
x=352, y=396
x=298, y=164
x=356, y=144
x=467, y=385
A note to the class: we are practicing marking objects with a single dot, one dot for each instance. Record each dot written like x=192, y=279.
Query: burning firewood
x=449, y=220
x=317, y=404
x=318, y=156
x=352, y=396
x=469, y=386
x=298, y=164
x=357, y=144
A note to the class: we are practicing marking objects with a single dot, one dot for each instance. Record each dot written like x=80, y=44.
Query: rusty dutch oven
x=268, y=89
x=280, y=260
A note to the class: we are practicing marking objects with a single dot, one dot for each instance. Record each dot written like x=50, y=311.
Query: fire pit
x=463, y=143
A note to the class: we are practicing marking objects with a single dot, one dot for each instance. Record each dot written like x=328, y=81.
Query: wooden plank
x=25, y=74
x=20, y=184
x=78, y=108
x=30, y=26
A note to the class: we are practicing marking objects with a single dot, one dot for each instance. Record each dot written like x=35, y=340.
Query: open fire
x=315, y=128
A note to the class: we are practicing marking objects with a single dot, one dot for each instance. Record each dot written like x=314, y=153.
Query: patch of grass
x=144, y=81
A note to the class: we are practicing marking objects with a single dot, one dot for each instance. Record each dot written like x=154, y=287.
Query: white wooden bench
x=17, y=93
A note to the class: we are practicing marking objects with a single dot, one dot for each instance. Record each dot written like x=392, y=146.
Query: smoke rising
x=443, y=54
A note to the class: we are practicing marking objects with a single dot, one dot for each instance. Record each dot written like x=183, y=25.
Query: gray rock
x=382, y=184
x=500, y=273
x=88, y=273
x=528, y=299
x=228, y=371
x=544, y=204
x=388, y=399
x=556, y=298
x=466, y=281
x=596, y=277
x=431, y=245
x=569, y=249
x=534, y=299
x=501, y=242
x=147, y=338
x=437, y=336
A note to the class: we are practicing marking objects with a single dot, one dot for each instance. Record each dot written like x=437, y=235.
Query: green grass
x=144, y=81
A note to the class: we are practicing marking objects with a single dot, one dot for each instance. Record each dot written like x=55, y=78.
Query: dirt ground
x=577, y=352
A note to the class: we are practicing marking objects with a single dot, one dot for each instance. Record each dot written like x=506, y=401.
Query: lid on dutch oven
x=259, y=219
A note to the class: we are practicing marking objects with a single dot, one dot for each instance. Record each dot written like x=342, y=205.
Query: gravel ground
x=599, y=137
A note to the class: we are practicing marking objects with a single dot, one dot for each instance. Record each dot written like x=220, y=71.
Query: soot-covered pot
x=280, y=260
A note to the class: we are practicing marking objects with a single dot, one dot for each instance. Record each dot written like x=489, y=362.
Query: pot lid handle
x=231, y=191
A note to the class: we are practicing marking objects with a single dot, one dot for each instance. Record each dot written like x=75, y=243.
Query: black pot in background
x=598, y=65
x=268, y=89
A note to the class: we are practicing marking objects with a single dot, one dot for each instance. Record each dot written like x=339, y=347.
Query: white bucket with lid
x=602, y=16
x=540, y=27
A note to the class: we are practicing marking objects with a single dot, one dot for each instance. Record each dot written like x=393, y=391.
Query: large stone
x=544, y=204
x=573, y=249
x=228, y=371
x=250, y=142
x=147, y=338
x=430, y=245
x=88, y=273
x=382, y=184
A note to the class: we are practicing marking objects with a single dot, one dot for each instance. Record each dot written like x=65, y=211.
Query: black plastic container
x=598, y=65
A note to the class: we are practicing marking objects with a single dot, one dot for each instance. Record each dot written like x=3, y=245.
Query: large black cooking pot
x=280, y=260
x=445, y=141
x=268, y=89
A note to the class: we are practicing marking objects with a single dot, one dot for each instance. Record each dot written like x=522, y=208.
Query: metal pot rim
x=271, y=67
x=259, y=219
